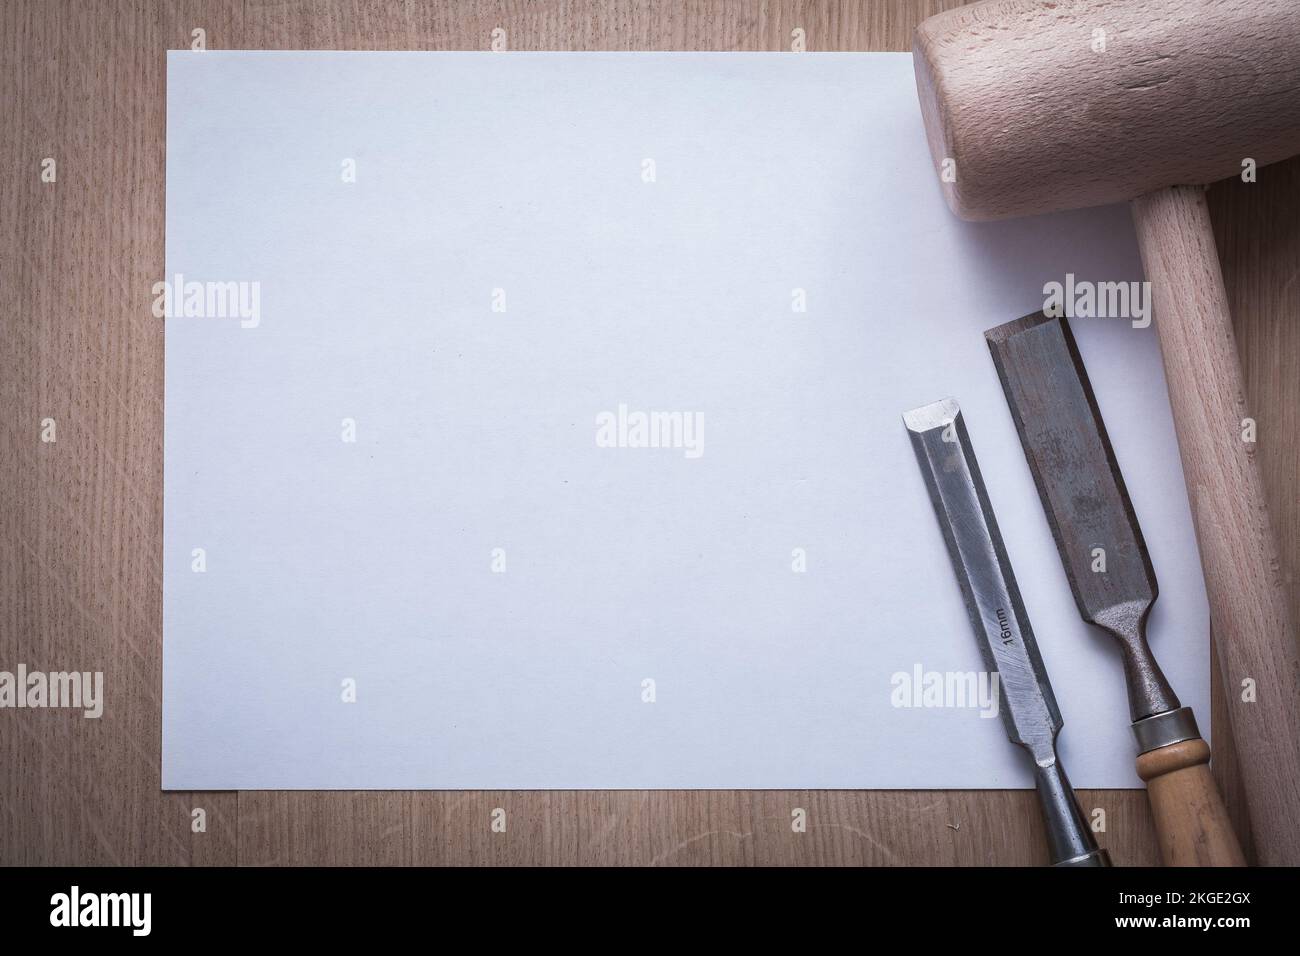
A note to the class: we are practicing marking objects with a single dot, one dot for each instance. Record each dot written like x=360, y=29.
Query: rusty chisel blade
x=1083, y=493
x=1110, y=572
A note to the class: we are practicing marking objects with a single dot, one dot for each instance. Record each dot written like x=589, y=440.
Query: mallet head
x=1042, y=105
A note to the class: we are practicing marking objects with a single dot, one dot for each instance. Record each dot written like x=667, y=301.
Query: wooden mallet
x=1033, y=106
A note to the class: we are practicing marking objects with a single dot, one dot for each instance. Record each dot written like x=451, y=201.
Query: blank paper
x=549, y=433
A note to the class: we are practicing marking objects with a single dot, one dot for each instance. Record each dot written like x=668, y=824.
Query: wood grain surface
x=81, y=518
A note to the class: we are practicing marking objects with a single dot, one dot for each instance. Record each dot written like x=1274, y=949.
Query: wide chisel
x=998, y=616
x=1091, y=517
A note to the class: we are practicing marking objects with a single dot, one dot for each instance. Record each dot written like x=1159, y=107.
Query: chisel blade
x=1082, y=491
x=979, y=558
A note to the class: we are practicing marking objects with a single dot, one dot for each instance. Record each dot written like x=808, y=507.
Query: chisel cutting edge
x=997, y=614
x=1090, y=513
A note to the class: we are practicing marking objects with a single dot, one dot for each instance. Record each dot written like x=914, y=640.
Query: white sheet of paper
x=531, y=240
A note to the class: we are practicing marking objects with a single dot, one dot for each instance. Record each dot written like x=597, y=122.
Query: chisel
x=998, y=616
x=1088, y=508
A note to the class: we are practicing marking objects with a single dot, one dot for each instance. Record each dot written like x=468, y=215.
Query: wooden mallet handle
x=1191, y=821
x=1243, y=577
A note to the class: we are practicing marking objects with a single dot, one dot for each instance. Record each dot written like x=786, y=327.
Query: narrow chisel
x=998, y=616
x=1088, y=508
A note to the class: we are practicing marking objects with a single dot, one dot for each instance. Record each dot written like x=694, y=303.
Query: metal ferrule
x=1095, y=858
x=1161, y=730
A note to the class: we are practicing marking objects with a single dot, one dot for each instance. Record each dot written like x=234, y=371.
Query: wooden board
x=81, y=517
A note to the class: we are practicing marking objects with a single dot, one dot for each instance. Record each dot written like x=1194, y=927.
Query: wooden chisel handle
x=1243, y=576
x=1191, y=821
